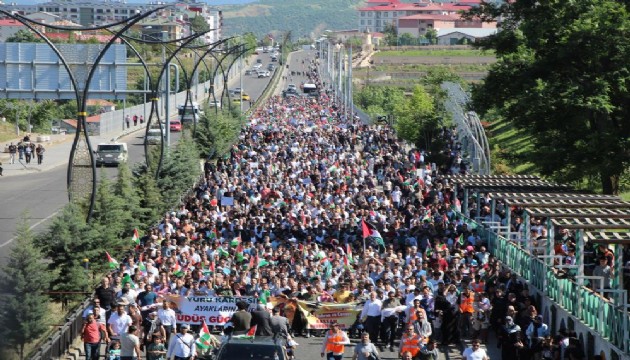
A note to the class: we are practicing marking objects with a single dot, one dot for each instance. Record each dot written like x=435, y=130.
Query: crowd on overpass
x=325, y=208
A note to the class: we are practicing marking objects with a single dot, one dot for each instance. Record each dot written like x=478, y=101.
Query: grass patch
x=7, y=131
x=625, y=196
x=436, y=52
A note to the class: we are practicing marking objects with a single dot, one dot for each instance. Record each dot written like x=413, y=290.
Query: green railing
x=602, y=316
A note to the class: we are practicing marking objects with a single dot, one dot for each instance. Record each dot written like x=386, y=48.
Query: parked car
x=176, y=125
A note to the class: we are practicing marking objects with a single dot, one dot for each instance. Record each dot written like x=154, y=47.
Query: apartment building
x=99, y=12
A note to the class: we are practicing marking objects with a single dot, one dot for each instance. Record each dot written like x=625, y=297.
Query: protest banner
x=213, y=310
x=318, y=315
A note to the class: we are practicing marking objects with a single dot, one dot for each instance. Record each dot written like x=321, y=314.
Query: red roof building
x=378, y=14
x=8, y=28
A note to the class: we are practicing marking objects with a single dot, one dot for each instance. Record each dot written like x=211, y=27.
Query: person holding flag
x=206, y=342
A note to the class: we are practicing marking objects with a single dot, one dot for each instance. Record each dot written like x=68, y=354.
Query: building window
x=385, y=14
x=369, y=22
x=362, y=22
x=362, y=13
x=99, y=11
x=73, y=10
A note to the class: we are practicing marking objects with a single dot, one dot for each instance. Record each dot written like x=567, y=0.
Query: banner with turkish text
x=213, y=310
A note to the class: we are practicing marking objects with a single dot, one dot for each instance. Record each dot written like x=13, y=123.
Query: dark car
x=244, y=349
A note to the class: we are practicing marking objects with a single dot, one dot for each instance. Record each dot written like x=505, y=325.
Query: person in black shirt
x=106, y=295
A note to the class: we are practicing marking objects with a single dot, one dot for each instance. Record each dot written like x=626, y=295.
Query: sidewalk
x=58, y=148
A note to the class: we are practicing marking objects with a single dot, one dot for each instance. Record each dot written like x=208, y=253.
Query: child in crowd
x=114, y=351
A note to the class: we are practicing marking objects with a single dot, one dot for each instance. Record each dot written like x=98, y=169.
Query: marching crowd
x=324, y=209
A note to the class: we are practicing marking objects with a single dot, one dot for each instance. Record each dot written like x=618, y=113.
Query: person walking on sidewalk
x=141, y=119
x=40, y=153
x=20, y=148
x=135, y=120
x=12, y=152
x=127, y=120
x=28, y=152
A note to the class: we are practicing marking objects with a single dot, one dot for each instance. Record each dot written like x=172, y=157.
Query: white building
x=99, y=12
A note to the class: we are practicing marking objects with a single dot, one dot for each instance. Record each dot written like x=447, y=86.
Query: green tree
x=199, y=24
x=68, y=243
x=24, y=280
x=562, y=75
x=217, y=132
x=110, y=215
x=24, y=36
x=391, y=34
x=149, y=193
x=431, y=36
x=405, y=39
x=123, y=189
x=179, y=172
x=414, y=118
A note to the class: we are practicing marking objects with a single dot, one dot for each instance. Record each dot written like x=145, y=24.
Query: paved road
x=41, y=190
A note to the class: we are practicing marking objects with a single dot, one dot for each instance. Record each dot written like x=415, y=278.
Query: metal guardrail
x=60, y=341
x=470, y=133
x=604, y=317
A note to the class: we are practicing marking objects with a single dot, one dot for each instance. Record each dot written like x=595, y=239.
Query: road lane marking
x=32, y=227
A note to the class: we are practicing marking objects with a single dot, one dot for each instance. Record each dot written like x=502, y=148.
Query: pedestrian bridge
x=564, y=293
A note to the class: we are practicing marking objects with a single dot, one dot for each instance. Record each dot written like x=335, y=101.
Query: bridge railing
x=609, y=320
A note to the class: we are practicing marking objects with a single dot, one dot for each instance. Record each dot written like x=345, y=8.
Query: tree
x=149, y=193
x=562, y=75
x=416, y=118
x=179, y=172
x=199, y=24
x=391, y=34
x=217, y=132
x=123, y=189
x=110, y=216
x=25, y=279
x=68, y=242
x=24, y=36
x=431, y=35
x=405, y=39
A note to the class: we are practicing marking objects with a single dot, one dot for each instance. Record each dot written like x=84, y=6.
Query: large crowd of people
x=303, y=182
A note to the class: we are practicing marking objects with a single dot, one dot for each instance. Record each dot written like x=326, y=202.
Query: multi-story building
x=9, y=27
x=99, y=12
x=417, y=18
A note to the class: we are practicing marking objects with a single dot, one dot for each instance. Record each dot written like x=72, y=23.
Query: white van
x=111, y=154
x=154, y=137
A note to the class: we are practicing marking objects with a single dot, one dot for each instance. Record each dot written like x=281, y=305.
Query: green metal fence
x=609, y=320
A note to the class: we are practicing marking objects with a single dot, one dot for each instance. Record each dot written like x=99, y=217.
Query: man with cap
x=182, y=345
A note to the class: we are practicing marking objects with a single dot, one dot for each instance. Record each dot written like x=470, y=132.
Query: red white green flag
x=113, y=264
x=251, y=334
x=204, y=341
x=135, y=237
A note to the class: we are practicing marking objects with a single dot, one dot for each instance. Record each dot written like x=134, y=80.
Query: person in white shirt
x=182, y=345
x=371, y=316
x=118, y=322
x=168, y=319
x=475, y=352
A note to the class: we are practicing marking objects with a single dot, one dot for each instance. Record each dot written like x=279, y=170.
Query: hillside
x=301, y=17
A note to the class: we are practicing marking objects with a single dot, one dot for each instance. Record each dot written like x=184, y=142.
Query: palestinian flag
x=235, y=242
x=460, y=240
x=370, y=231
x=349, y=253
x=203, y=342
x=427, y=216
x=239, y=253
x=177, y=270
x=252, y=262
x=262, y=262
x=251, y=334
x=141, y=266
x=223, y=252
x=127, y=279
x=135, y=237
x=113, y=264
x=346, y=263
x=212, y=235
x=429, y=251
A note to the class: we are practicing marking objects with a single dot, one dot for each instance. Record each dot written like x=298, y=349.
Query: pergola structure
x=594, y=218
